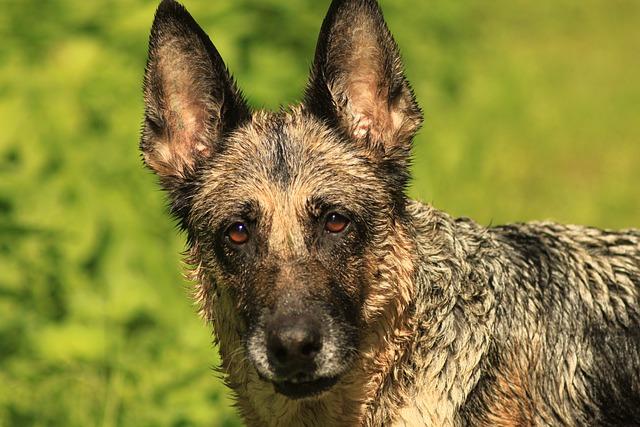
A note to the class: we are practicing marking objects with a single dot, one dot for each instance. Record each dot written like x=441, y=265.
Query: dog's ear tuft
x=357, y=80
x=191, y=100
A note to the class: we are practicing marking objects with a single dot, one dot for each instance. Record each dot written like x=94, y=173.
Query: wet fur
x=452, y=323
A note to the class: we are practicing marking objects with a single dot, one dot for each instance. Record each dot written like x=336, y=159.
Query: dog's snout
x=293, y=343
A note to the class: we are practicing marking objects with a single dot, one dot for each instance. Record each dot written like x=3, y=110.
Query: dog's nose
x=293, y=343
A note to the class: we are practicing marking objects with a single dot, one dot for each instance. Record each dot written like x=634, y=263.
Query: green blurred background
x=533, y=112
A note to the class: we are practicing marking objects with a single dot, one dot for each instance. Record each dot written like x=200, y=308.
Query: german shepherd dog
x=335, y=299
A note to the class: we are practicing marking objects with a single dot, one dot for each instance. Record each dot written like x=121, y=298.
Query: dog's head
x=288, y=212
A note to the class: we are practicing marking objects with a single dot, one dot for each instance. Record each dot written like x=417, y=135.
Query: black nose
x=292, y=344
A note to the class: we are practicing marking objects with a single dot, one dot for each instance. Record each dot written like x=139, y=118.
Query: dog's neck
x=419, y=321
x=441, y=355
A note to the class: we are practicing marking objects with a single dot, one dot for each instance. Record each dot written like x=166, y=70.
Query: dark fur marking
x=616, y=377
x=281, y=166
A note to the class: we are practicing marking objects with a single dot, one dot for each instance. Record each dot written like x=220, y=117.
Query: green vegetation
x=532, y=112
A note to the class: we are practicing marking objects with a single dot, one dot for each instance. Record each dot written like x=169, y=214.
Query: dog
x=337, y=300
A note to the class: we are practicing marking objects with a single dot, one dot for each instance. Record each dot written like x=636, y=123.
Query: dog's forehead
x=286, y=154
x=287, y=142
x=290, y=150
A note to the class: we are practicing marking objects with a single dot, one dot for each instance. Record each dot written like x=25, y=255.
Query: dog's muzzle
x=294, y=343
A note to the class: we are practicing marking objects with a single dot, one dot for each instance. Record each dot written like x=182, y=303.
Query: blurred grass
x=532, y=113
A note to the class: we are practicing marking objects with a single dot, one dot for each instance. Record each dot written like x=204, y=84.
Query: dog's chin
x=304, y=389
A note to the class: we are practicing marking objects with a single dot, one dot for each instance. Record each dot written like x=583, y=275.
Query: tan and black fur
x=407, y=316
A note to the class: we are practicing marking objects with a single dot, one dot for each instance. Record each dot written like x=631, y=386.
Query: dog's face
x=288, y=211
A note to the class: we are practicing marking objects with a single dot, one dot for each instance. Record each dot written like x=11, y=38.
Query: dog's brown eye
x=238, y=233
x=336, y=223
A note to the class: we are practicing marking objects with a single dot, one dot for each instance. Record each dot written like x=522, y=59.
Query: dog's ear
x=357, y=79
x=191, y=100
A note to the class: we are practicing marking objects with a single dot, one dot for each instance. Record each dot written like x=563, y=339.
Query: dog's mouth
x=302, y=388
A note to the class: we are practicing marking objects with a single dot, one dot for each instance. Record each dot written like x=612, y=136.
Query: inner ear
x=186, y=106
x=357, y=79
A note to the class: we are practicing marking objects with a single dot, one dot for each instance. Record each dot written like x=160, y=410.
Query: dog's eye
x=238, y=233
x=336, y=223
